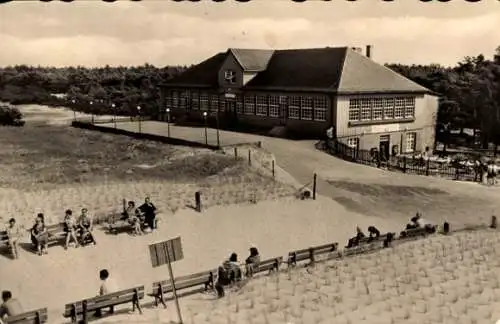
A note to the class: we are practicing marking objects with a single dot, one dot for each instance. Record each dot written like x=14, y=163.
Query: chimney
x=369, y=51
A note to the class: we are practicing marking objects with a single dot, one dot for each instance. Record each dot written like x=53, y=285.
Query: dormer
x=242, y=65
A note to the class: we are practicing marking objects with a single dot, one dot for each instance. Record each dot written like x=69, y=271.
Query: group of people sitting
x=141, y=219
x=230, y=272
x=80, y=230
x=415, y=222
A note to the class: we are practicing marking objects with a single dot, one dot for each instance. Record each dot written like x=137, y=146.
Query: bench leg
x=84, y=312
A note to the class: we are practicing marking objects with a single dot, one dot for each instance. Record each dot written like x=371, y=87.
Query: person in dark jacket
x=252, y=261
x=148, y=210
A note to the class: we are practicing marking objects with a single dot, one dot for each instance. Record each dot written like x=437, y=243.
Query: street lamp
x=217, y=127
x=139, y=112
x=92, y=111
x=74, y=111
x=113, y=106
x=206, y=134
x=168, y=121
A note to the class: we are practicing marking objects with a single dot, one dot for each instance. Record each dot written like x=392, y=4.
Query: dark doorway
x=384, y=147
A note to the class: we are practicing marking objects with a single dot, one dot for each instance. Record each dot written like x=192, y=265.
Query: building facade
x=308, y=91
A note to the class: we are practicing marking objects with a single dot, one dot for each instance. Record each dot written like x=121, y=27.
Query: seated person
x=423, y=223
x=70, y=228
x=148, y=211
x=252, y=261
x=413, y=222
x=374, y=232
x=354, y=241
x=10, y=306
x=13, y=234
x=40, y=235
x=232, y=268
x=85, y=227
x=131, y=215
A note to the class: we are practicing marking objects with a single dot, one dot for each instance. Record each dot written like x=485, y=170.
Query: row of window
x=366, y=109
x=410, y=142
x=293, y=107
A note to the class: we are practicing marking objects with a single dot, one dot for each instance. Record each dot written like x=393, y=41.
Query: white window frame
x=354, y=109
x=239, y=105
x=378, y=108
x=410, y=142
x=388, y=108
x=320, y=106
x=184, y=99
x=249, y=105
x=274, y=106
x=306, y=108
x=399, y=107
x=204, y=100
x=214, y=103
x=353, y=142
x=195, y=100
x=230, y=76
x=261, y=105
x=294, y=107
x=409, y=111
x=366, y=109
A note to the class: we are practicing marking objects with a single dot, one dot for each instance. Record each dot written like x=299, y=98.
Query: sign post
x=167, y=252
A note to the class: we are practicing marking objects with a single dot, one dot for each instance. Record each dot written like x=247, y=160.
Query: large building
x=309, y=91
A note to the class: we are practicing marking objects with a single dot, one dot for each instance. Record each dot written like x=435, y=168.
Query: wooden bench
x=116, y=226
x=38, y=316
x=83, y=307
x=416, y=232
x=189, y=285
x=56, y=234
x=310, y=253
x=269, y=265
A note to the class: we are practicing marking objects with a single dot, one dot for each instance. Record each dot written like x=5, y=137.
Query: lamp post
x=139, y=113
x=113, y=107
x=168, y=121
x=206, y=133
x=217, y=127
x=74, y=111
x=92, y=111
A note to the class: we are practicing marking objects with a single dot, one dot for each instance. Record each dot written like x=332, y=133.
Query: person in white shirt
x=108, y=286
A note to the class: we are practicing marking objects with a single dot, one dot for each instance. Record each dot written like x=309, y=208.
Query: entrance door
x=283, y=112
x=384, y=147
x=230, y=111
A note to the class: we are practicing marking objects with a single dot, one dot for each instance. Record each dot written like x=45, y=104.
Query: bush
x=11, y=116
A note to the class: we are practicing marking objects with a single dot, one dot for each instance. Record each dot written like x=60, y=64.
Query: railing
x=405, y=164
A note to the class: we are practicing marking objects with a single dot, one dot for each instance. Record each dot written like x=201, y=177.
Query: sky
x=164, y=32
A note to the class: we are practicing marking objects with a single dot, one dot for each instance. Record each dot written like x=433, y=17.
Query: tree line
x=469, y=96
x=469, y=91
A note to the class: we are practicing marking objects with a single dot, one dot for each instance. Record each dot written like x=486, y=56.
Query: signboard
x=167, y=251
x=230, y=95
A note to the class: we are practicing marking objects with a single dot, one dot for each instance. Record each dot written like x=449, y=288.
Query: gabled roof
x=361, y=74
x=204, y=74
x=252, y=60
x=301, y=69
x=332, y=69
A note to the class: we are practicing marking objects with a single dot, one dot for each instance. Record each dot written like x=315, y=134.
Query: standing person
x=149, y=211
x=108, y=286
x=10, y=306
x=40, y=235
x=13, y=234
x=86, y=227
x=70, y=228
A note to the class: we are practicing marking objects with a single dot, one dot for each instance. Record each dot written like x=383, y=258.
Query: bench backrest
x=305, y=254
x=4, y=236
x=116, y=298
x=55, y=228
x=183, y=282
x=269, y=264
x=35, y=316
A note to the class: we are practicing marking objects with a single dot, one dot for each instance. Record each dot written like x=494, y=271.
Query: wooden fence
x=405, y=164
